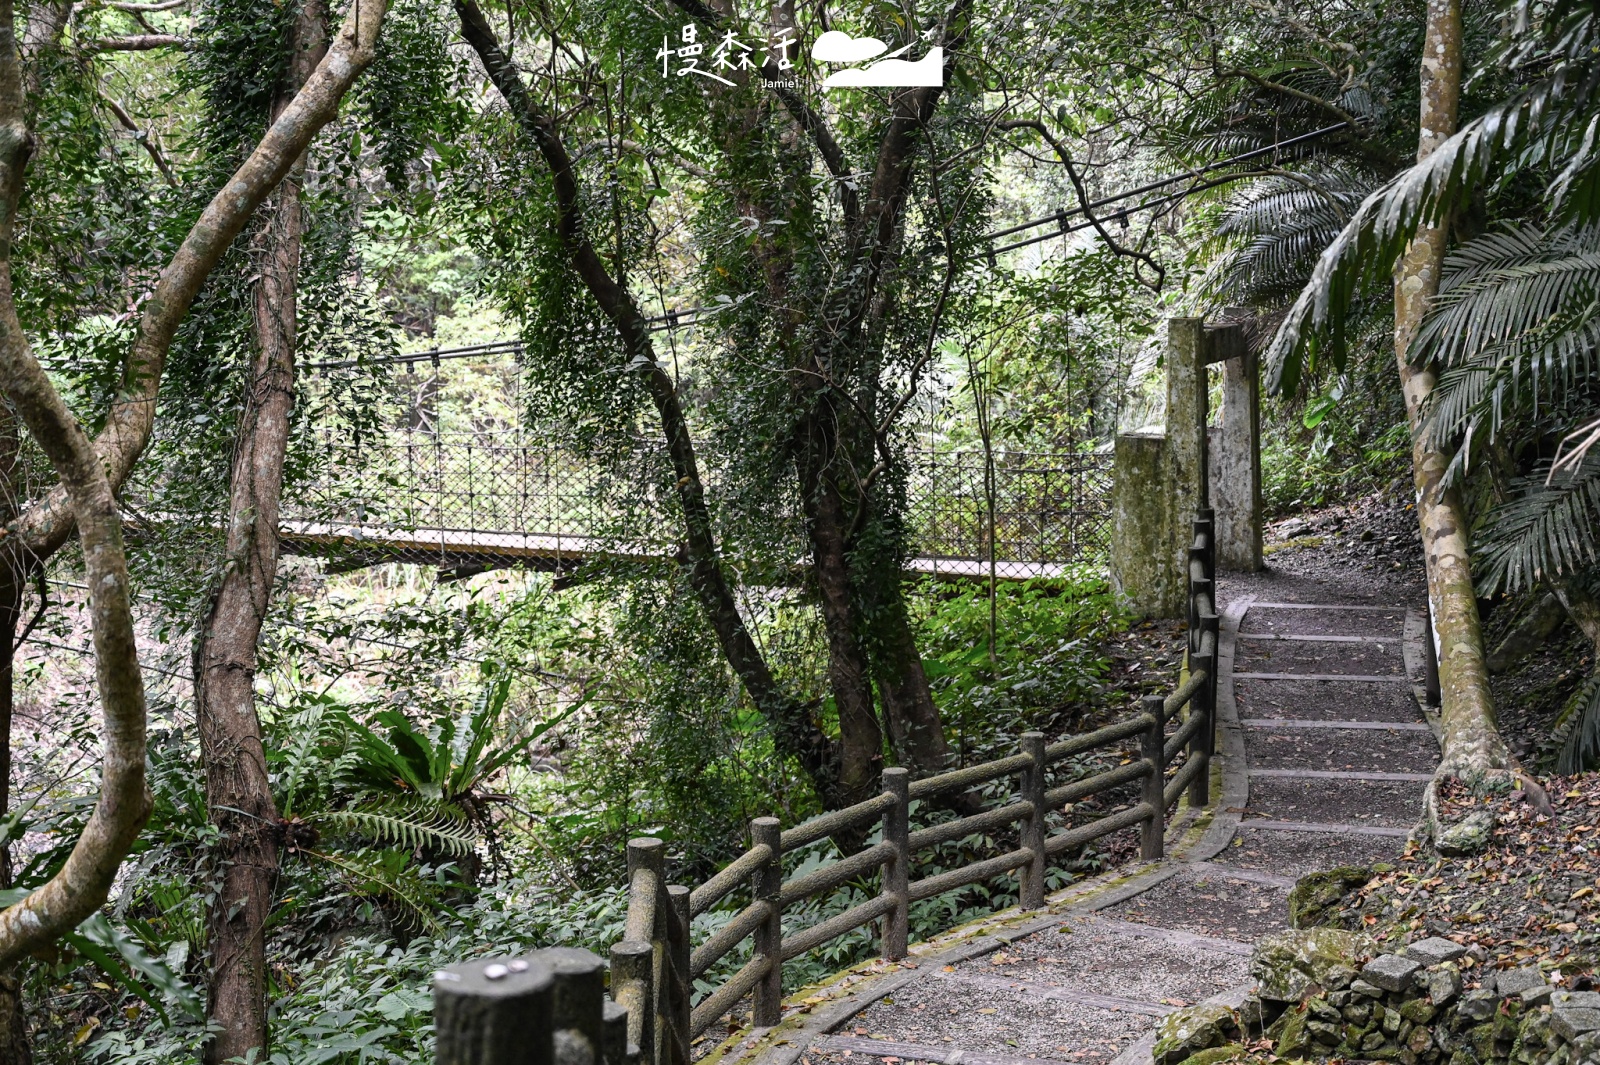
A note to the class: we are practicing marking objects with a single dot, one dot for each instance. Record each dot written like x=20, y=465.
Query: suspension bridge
x=452, y=477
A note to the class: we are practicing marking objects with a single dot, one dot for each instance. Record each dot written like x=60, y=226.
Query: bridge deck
x=472, y=551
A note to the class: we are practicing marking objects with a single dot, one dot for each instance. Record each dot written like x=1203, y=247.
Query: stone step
x=1012, y=1023
x=1209, y=903
x=1386, y=803
x=1393, y=749
x=1301, y=699
x=1298, y=656
x=1301, y=619
x=1130, y=963
x=850, y=1046
x=1296, y=853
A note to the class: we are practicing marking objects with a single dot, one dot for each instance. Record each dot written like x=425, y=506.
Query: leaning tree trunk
x=238, y=789
x=1471, y=740
x=849, y=671
x=14, y=1046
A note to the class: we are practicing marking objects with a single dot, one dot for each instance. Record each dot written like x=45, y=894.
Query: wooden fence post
x=1151, y=842
x=614, y=1034
x=766, y=886
x=1202, y=703
x=633, y=987
x=1033, y=829
x=576, y=1013
x=494, y=1012
x=677, y=1013
x=647, y=920
x=897, y=867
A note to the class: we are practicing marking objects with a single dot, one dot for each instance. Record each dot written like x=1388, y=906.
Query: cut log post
x=577, y=1013
x=1203, y=704
x=1032, y=891
x=767, y=886
x=1153, y=828
x=633, y=986
x=677, y=1014
x=897, y=867
x=495, y=1012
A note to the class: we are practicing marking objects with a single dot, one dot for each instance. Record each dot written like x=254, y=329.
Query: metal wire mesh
x=448, y=482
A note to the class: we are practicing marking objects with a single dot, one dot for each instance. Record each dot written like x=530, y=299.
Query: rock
x=1358, y=1012
x=1444, y=984
x=1588, y=1000
x=1465, y=837
x=1323, y=1032
x=1288, y=965
x=1288, y=1033
x=1516, y=981
x=1288, y=530
x=1574, y=1022
x=1434, y=951
x=1185, y=1032
x=1316, y=896
x=1537, y=996
x=1372, y=1041
x=1419, y=1040
x=1417, y=1010
x=1389, y=1021
x=1361, y=987
x=1214, y=1055
x=1390, y=972
x=1478, y=1005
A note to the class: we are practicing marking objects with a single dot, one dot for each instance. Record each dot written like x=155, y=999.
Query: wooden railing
x=654, y=967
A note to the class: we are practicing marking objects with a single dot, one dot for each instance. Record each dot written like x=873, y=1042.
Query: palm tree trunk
x=1471, y=741
x=238, y=789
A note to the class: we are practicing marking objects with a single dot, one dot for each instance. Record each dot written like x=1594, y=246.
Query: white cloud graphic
x=893, y=73
x=836, y=47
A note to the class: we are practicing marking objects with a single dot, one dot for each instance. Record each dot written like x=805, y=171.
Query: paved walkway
x=1324, y=759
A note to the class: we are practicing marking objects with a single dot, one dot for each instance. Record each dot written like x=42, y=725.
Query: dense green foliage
x=458, y=757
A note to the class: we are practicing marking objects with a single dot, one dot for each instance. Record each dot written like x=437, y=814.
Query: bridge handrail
x=653, y=970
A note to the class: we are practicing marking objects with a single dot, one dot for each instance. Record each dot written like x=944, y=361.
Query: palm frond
x=1550, y=120
x=1271, y=232
x=1546, y=531
x=1517, y=318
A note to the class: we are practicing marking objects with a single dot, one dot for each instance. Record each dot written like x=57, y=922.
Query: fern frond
x=402, y=826
x=1547, y=531
x=399, y=883
x=1578, y=729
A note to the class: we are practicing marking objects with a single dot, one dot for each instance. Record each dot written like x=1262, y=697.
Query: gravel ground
x=1210, y=904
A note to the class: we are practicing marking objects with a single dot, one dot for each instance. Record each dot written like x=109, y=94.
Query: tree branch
x=45, y=526
x=84, y=880
x=137, y=42
x=1083, y=202
x=144, y=138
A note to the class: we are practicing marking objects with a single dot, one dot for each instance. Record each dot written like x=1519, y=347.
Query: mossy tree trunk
x=1472, y=743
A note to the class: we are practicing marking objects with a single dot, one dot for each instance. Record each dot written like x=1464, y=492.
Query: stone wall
x=1326, y=994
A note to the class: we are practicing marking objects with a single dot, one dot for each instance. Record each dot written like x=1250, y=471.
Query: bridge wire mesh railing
x=453, y=463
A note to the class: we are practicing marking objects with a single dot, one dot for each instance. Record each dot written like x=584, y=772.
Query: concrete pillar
x=1142, y=570
x=1235, y=454
x=1187, y=399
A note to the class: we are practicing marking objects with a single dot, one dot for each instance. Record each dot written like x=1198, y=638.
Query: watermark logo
x=888, y=72
x=730, y=54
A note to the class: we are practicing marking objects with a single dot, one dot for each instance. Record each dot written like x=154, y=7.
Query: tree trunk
x=238, y=788
x=1471, y=740
x=915, y=726
x=849, y=672
x=14, y=1047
